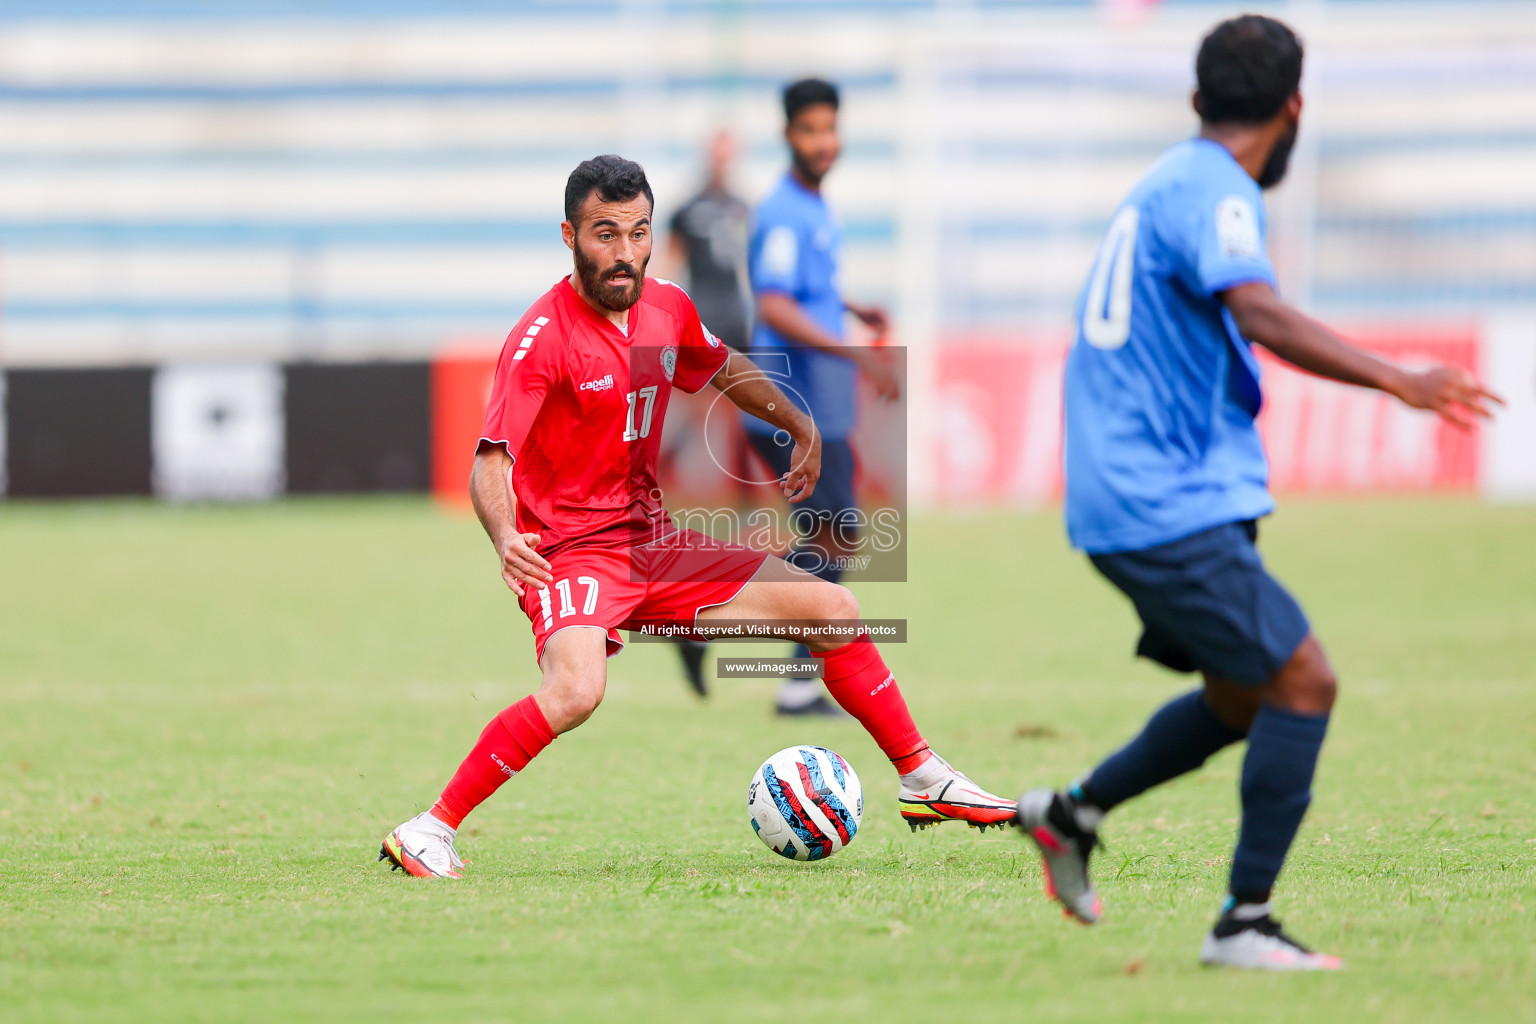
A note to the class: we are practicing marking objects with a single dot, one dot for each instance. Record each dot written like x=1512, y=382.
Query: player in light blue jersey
x=792, y=258
x=1166, y=477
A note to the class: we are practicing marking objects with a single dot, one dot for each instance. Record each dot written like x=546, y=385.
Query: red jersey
x=579, y=405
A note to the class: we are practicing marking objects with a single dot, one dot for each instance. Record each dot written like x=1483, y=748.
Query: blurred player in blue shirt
x=792, y=257
x=1166, y=477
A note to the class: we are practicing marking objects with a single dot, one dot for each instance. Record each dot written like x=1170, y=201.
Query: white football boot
x=423, y=847
x=1047, y=817
x=1259, y=944
x=938, y=792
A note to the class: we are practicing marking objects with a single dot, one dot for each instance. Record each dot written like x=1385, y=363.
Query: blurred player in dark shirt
x=708, y=246
x=709, y=239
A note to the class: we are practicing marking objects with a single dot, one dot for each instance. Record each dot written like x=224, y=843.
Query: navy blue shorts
x=834, y=489
x=1208, y=605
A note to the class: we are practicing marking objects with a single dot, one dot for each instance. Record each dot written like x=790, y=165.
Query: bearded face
x=813, y=142
x=1279, y=160
x=616, y=285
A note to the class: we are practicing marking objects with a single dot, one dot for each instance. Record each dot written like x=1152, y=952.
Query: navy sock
x=1177, y=739
x=1277, y=787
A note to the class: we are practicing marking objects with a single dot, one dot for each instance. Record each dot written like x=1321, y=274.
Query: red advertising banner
x=1328, y=437
x=461, y=387
x=997, y=423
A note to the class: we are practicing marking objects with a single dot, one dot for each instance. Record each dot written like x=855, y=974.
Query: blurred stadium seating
x=271, y=180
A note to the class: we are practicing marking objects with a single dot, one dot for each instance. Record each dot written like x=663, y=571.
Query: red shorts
x=666, y=583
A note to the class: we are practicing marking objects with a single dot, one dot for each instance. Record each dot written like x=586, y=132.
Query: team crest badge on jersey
x=1237, y=229
x=669, y=361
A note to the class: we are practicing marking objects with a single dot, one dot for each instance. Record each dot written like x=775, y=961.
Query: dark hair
x=808, y=92
x=613, y=178
x=1246, y=69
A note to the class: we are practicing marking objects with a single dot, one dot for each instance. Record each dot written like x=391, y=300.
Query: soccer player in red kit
x=565, y=485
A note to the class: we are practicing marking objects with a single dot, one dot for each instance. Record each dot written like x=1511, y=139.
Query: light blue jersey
x=795, y=247
x=1161, y=389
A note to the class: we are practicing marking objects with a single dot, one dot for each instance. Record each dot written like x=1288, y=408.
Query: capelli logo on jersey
x=603, y=383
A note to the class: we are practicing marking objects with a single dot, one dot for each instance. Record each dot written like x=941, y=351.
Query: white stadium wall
x=191, y=184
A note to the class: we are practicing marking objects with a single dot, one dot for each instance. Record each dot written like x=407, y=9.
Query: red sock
x=858, y=680
x=513, y=738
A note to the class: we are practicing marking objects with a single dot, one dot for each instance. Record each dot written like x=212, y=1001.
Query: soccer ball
x=806, y=803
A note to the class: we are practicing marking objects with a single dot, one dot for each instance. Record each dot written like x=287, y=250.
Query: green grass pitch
x=210, y=716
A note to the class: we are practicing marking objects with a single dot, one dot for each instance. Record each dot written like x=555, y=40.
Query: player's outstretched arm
x=490, y=489
x=1263, y=317
x=754, y=392
x=783, y=314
